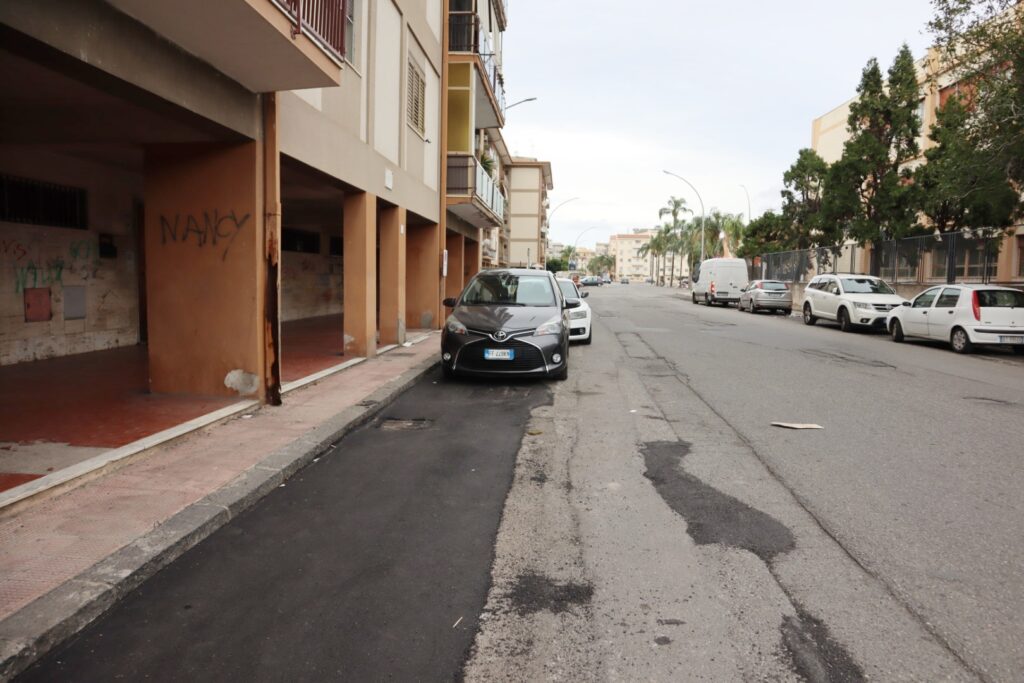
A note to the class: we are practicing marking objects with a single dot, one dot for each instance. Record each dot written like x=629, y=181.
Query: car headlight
x=863, y=306
x=553, y=326
x=577, y=314
x=455, y=326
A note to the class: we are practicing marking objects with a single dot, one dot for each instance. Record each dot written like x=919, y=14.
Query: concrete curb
x=37, y=628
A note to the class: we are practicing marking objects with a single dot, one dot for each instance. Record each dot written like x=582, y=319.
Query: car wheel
x=896, y=330
x=590, y=335
x=563, y=374
x=446, y=371
x=1019, y=350
x=753, y=308
x=707, y=299
x=960, y=342
x=693, y=297
x=844, y=321
x=809, y=317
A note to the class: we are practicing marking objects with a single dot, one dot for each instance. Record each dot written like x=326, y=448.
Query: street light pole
x=515, y=104
x=674, y=175
x=750, y=216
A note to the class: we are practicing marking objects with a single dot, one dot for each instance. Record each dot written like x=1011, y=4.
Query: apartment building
x=476, y=157
x=530, y=182
x=829, y=134
x=625, y=249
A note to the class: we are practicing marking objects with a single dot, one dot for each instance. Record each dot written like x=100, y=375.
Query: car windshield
x=774, y=285
x=865, y=285
x=508, y=289
x=1000, y=298
x=568, y=289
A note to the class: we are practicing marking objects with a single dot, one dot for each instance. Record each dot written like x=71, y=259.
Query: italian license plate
x=499, y=354
x=1011, y=340
x=721, y=293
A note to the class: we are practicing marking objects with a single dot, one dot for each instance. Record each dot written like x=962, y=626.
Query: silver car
x=766, y=295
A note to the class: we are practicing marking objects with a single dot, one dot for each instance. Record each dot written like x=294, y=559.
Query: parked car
x=766, y=295
x=606, y=280
x=591, y=281
x=625, y=281
x=963, y=315
x=851, y=300
x=579, y=318
x=510, y=322
x=719, y=281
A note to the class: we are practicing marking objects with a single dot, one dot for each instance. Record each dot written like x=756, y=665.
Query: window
x=925, y=300
x=350, y=30
x=417, y=99
x=302, y=241
x=1020, y=255
x=949, y=298
x=37, y=203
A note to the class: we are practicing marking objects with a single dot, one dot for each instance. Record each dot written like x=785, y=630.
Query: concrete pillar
x=423, y=277
x=359, y=241
x=205, y=279
x=455, y=243
x=472, y=259
x=392, y=275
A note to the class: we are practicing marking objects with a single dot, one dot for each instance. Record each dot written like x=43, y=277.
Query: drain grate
x=391, y=424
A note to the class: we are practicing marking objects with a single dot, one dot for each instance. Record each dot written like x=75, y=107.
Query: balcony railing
x=322, y=20
x=467, y=35
x=467, y=177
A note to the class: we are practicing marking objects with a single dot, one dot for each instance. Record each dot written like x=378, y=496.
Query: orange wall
x=422, y=277
x=204, y=267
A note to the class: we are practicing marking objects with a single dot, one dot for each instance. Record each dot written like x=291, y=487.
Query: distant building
x=625, y=249
x=529, y=184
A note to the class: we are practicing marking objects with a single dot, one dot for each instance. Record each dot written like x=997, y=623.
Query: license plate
x=499, y=354
x=721, y=293
x=1012, y=340
x=774, y=293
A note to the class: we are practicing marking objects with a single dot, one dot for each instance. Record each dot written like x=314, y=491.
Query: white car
x=579, y=318
x=963, y=315
x=851, y=300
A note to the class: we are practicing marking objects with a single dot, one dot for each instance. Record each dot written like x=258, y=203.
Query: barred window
x=350, y=31
x=39, y=203
x=417, y=104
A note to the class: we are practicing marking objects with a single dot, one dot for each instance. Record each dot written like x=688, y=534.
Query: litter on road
x=796, y=425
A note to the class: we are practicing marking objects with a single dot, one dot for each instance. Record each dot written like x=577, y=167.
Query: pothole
x=534, y=592
x=813, y=653
x=391, y=424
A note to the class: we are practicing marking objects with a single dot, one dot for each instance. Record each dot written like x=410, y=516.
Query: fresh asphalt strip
x=356, y=569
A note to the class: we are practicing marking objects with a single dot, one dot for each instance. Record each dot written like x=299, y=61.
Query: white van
x=719, y=281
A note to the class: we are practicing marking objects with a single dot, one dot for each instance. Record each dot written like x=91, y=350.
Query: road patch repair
x=713, y=517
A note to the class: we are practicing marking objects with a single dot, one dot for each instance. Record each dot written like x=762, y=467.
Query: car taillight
x=786, y=285
x=712, y=287
x=976, y=305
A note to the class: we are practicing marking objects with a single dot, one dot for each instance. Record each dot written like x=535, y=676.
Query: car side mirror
x=450, y=302
x=584, y=295
x=905, y=303
x=573, y=303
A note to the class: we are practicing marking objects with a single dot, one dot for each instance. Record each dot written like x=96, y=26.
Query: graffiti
x=13, y=248
x=84, y=257
x=210, y=229
x=31, y=276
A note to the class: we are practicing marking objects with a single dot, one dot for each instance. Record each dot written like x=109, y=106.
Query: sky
x=722, y=93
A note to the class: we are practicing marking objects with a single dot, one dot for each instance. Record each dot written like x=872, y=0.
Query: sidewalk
x=66, y=559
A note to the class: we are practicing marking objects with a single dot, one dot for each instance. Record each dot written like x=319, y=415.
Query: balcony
x=466, y=36
x=472, y=193
x=266, y=45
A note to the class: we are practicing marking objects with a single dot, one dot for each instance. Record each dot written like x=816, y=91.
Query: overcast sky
x=722, y=93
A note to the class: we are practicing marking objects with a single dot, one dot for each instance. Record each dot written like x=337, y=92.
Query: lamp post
x=514, y=104
x=674, y=175
x=552, y=213
x=750, y=216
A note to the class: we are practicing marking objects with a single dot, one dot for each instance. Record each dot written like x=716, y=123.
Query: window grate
x=37, y=203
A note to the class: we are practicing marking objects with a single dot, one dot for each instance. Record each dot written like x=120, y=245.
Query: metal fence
x=950, y=257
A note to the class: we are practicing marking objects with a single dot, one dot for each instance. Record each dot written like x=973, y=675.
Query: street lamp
x=674, y=175
x=749, y=215
x=528, y=99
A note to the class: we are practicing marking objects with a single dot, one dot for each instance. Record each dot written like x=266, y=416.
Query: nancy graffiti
x=210, y=229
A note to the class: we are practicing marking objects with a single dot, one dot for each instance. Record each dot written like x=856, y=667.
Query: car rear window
x=774, y=285
x=1000, y=298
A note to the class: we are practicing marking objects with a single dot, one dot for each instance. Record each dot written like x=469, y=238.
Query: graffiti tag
x=13, y=248
x=210, y=229
x=30, y=275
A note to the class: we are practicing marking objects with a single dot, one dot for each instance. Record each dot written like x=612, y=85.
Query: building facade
x=625, y=249
x=530, y=182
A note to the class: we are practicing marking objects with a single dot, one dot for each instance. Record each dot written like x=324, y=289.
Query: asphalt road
x=656, y=527
x=370, y=564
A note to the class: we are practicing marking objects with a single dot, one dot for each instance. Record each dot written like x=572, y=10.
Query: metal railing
x=926, y=259
x=466, y=34
x=323, y=20
x=467, y=177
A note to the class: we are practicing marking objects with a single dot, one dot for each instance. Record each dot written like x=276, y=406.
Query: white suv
x=850, y=300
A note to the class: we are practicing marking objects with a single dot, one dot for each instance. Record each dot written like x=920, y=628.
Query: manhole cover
x=396, y=425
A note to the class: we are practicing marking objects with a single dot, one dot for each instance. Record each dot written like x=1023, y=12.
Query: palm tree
x=675, y=208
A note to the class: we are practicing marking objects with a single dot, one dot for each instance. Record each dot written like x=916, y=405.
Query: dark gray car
x=510, y=322
x=766, y=295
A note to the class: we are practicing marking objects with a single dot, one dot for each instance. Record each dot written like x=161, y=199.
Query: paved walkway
x=50, y=542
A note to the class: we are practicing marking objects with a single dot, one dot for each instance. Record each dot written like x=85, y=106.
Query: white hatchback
x=963, y=315
x=580, y=328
